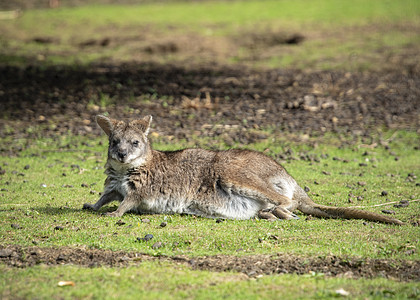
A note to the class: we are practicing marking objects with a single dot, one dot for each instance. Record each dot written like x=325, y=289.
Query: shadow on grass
x=62, y=210
x=53, y=101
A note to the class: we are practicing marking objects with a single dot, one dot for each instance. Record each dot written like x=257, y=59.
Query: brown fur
x=237, y=184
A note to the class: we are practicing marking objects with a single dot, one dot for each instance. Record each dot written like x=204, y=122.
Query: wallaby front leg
x=126, y=205
x=105, y=199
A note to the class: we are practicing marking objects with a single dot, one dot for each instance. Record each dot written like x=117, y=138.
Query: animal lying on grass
x=231, y=184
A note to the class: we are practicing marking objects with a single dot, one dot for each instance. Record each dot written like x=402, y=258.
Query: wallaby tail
x=311, y=208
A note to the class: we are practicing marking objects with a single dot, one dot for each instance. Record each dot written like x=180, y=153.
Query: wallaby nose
x=122, y=154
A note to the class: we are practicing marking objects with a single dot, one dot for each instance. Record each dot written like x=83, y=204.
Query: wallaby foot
x=277, y=213
x=284, y=213
x=113, y=214
x=266, y=215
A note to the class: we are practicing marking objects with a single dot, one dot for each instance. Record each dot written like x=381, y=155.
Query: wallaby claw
x=295, y=217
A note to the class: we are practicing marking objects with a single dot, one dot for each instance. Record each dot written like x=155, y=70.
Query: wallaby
x=231, y=184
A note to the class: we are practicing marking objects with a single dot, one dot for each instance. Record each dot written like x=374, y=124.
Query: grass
x=198, y=15
x=353, y=35
x=42, y=189
x=146, y=280
x=37, y=196
x=49, y=193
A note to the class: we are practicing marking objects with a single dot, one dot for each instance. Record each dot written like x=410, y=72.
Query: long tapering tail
x=307, y=206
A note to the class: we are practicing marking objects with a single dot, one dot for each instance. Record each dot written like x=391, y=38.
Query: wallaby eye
x=115, y=142
x=135, y=143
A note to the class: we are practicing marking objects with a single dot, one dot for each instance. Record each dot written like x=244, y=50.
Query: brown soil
x=233, y=103
x=252, y=266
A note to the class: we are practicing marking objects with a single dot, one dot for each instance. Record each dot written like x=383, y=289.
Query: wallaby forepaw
x=88, y=206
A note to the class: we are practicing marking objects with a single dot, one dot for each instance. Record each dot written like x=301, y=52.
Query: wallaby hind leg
x=283, y=206
x=277, y=206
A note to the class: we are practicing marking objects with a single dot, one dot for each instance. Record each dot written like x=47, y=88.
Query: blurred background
x=235, y=69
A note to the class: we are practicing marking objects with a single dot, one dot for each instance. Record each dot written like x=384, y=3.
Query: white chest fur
x=117, y=179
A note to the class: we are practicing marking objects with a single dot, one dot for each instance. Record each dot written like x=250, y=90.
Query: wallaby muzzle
x=122, y=154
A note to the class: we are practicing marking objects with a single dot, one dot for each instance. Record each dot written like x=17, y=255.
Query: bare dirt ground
x=233, y=103
x=252, y=266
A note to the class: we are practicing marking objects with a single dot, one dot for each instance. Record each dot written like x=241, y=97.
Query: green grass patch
x=48, y=183
x=146, y=282
x=200, y=14
x=352, y=35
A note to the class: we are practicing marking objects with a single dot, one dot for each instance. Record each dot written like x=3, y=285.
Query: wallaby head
x=128, y=143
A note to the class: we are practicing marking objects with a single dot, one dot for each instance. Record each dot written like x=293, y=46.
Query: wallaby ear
x=148, y=120
x=106, y=124
x=143, y=124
